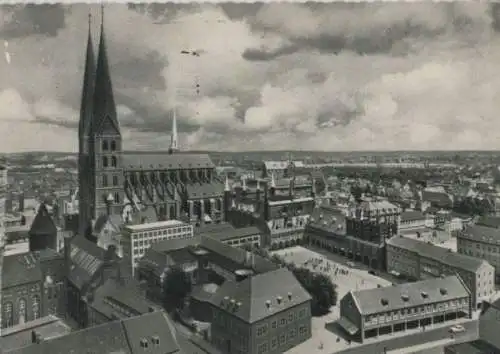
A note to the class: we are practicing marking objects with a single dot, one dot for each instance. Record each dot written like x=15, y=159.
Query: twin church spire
x=98, y=110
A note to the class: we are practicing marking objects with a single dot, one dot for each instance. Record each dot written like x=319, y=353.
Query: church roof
x=205, y=190
x=163, y=161
x=87, y=89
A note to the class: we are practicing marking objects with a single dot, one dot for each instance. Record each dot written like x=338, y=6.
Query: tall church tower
x=174, y=142
x=84, y=175
x=101, y=142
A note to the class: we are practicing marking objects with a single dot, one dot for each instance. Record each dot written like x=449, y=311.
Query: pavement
x=327, y=339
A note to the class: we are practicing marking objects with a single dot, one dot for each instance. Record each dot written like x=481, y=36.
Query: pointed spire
x=174, y=147
x=104, y=101
x=88, y=87
x=244, y=184
x=273, y=182
x=226, y=185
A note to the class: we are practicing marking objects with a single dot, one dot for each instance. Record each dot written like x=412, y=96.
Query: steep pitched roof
x=162, y=161
x=43, y=223
x=87, y=258
x=250, y=296
x=87, y=89
x=20, y=269
x=104, y=108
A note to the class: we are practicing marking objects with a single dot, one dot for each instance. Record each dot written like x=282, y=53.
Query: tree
x=324, y=294
x=176, y=286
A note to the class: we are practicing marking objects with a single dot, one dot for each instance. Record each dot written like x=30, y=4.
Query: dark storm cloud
x=27, y=20
x=384, y=37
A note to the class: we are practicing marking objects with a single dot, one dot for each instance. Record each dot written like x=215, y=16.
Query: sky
x=329, y=77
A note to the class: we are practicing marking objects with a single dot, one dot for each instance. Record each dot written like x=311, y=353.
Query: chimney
x=268, y=304
x=21, y=201
x=289, y=296
x=156, y=340
x=8, y=203
x=279, y=300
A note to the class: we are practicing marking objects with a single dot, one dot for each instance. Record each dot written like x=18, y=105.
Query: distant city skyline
x=339, y=77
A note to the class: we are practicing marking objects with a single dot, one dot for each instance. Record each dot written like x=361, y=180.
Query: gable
x=108, y=126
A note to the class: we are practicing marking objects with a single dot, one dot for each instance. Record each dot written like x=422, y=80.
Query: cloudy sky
x=393, y=76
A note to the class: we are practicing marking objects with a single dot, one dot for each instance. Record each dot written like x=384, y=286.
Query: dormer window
x=105, y=145
x=113, y=145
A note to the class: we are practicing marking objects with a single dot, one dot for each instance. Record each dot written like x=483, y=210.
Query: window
x=274, y=324
x=113, y=161
x=22, y=311
x=274, y=343
x=290, y=317
x=105, y=145
x=262, y=348
x=117, y=197
x=115, y=180
x=104, y=161
x=302, y=330
x=104, y=181
x=282, y=322
x=113, y=145
x=8, y=315
x=302, y=313
x=282, y=339
x=36, y=307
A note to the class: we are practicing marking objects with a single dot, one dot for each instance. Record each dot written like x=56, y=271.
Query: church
x=173, y=185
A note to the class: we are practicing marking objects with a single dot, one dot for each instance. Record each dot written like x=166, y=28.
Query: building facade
x=481, y=242
x=265, y=313
x=383, y=311
x=421, y=260
x=136, y=239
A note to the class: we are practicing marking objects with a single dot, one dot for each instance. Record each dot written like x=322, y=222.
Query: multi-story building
x=414, y=223
x=33, y=287
x=3, y=193
x=383, y=311
x=482, y=242
x=136, y=239
x=228, y=234
x=280, y=208
x=265, y=313
x=370, y=224
x=422, y=260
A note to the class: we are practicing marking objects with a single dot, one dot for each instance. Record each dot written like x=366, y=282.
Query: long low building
x=422, y=260
x=383, y=311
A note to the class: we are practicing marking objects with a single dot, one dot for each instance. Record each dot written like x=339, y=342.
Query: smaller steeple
x=174, y=144
x=273, y=182
x=226, y=185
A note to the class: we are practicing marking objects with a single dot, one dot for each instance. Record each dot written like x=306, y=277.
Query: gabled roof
x=251, y=295
x=372, y=301
x=412, y=215
x=87, y=258
x=102, y=220
x=20, y=269
x=481, y=233
x=43, y=223
x=489, y=221
x=162, y=161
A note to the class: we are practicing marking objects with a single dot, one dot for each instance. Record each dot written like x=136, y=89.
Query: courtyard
x=345, y=277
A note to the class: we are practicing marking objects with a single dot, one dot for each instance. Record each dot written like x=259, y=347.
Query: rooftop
x=412, y=215
x=482, y=233
x=401, y=296
x=155, y=225
x=164, y=161
x=437, y=253
x=260, y=296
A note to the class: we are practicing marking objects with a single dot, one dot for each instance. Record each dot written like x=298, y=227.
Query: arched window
x=113, y=161
x=104, y=181
x=172, y=213
x=36, y=307
x=104, y=161
x=117, y=197
x=8, y=314
x=113, y=145
x=105, y=145
x=22, y=311
x=115, y=180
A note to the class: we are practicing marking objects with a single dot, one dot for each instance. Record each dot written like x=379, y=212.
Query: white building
x=136, y=239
